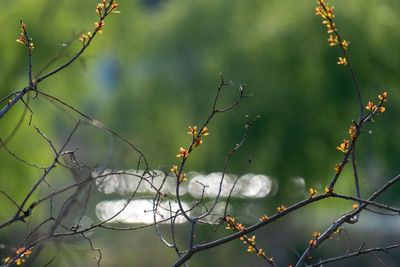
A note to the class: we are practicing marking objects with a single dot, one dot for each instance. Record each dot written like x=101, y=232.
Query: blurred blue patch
x=107, y=74
x=150, y=3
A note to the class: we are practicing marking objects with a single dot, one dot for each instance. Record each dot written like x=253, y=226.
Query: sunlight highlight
x=137, y=211
x=208, y=185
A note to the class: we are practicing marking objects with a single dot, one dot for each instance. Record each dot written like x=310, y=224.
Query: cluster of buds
x=84, y=37
x=174, y=169
x=182, y=177
x=345, y=44
x=344, y=147
x=312, y=192
x=335, y=41
x=324, y=11
x=313, y=241
x=281, y=208
x=264, y=218
x=183, y=153
x=99, y=26
x=339, y=168
x=22, y=255
x=382, y=98
x=329, y=190
x=327, y=15
x=231, y=225
x=250, y=240
x=192, y=131
x=352, y=132
x=252, y=245
x=23, y=38
x=372, y=108
x=104, y=8
x=316, y=235
x=197, y=139
x=343, y=61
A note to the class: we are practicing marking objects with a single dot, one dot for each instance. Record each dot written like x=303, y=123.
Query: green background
x=154, y=71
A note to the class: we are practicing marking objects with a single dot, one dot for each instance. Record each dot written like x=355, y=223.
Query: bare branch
x=354, y=254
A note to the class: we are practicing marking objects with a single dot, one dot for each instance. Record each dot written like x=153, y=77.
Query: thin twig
x=345, y=218
x=354, y=254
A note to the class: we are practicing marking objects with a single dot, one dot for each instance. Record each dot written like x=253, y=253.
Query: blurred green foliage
x=155, y=69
